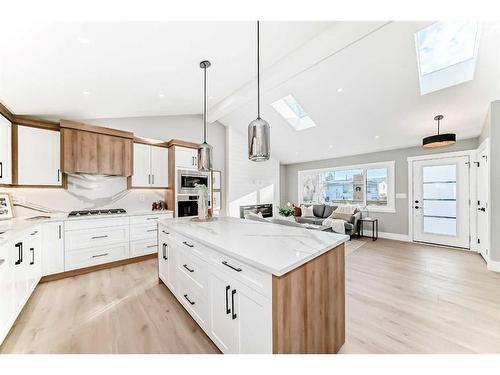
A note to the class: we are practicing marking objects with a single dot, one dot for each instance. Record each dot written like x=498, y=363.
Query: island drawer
x=193, y=302
x=89, y=238
x=143, y=232
x=79, y=224
x=251, y=277
x=192, y=246
x=96, y=255
x=193, y=269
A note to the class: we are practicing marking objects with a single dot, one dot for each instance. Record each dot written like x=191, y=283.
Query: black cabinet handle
x=186, y=297
x=482, y=209
x=151, y=246
x=188, y=244
x=165, y=251
x=100, y=255
x=164, y=231
x=58, y=175
x=186, y=267
x=234, y=316
x=98, y=237
x=151, y=230
x=232, y=267
x=19, y=246
x=1, y=169
x=151, y=218
x=59, y=231
x=32, y=249
x=228, y=310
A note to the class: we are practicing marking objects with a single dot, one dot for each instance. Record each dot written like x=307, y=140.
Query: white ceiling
x=125, y=66
x=45, y=68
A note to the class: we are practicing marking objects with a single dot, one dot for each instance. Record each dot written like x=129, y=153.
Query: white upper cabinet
x=186, y=157
x=142, y=165
x=39, y=156
x=5, y=151
x=159, y=166
x=150, y=166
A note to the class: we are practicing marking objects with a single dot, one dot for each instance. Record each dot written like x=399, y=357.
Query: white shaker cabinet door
x=39, y=156
x=186, y=157
x=142, y=166
x=159, y=166
x=7, y=313
x=222, y=327
x=52, y=248
x=5, y=151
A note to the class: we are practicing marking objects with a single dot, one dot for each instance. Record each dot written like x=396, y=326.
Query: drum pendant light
x=205, y=150
x=258, y=129
x=439, y=140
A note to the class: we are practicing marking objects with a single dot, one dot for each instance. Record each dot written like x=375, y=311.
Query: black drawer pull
x=188, y=244
x=151, y=246
x=35, y=232
x=100, y=255
x=152, y=218
x=234, y=316
x=151, y=230
x=186, y=267
x=98, y=237
x=164, y=231
x=19, y=246
x=232, y=267
x=228, y=310
x=32, y=249
x=186, y=297
x=164, y=248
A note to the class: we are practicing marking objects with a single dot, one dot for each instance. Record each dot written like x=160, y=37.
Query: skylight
x=290, y=109
x=446, y=54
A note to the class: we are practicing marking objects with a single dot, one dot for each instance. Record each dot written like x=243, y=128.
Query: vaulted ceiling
x=358, y=81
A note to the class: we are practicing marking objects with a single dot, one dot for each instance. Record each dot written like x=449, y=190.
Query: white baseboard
x=494, y=266
x=388, y=236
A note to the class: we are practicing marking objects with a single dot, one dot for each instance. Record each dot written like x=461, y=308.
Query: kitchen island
x=257, y=287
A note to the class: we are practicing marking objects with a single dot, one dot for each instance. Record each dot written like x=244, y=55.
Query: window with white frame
x=370, y=185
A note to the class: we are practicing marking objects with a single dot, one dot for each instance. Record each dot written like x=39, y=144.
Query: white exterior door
x=441, y=198
x=159, y=166
x=5, y=151
x=483, y=183
x=39, y=156
x=142, y=166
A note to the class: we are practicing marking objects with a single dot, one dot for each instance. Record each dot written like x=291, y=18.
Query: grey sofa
x=322, y=211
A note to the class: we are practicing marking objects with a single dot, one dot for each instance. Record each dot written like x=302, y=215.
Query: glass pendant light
x=439, y=140
x=205, y=150
x=258, y=130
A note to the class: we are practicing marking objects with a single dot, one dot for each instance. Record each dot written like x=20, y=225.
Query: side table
x=374, y=223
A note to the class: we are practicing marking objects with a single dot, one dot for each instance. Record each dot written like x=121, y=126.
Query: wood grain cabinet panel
x=114, y=155
x=79, y=151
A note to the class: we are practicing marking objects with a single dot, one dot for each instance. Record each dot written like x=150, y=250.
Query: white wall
x=249, y=182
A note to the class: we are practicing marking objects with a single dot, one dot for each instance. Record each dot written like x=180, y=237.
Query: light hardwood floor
x=400, y=298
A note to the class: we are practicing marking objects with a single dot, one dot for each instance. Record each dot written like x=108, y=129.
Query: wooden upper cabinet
x=114, y=155
x=95, y=150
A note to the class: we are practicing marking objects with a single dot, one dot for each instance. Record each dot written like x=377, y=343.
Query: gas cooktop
x=110, y=211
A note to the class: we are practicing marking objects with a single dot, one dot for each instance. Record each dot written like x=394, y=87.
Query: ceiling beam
x=325, y=45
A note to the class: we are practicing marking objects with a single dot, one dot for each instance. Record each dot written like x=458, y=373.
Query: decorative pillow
x=297, y=211
x=339, y=215
x=307, y=211
x=328, y=210
x=318, y=210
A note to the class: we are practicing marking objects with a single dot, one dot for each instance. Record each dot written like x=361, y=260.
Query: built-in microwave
x=189, y=179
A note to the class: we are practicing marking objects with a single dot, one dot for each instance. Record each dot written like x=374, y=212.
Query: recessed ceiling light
x=161, y=95
x=377, y=136
x=340, y=89
x=296, y=152
x=86, y=93
x=83, y=40
x=331, y=146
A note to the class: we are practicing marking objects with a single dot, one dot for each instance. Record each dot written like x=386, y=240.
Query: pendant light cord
x=258, y=69
x=205, y=104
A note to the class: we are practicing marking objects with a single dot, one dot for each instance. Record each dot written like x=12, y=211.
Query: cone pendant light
x=258, y=129
x=205, y=150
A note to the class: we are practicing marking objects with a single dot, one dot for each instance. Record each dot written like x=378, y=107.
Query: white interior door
x=441, y=197
x=483, y=182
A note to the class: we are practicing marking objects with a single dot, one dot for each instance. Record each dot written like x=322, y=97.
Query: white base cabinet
x=53, y=248
x=233, y=306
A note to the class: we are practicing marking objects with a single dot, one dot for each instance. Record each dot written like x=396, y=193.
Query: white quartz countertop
x=272, y=248
x=10, y=229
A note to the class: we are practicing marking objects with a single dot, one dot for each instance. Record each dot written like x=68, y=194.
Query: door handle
x=19, y=246
x=32, y=249
x=188, y=244
x=228, y=310
x=483, y=209
x=164, y=247
x=186, y=267
x=417, y=207
x=232, y=267
x=1, y=169
x=233, y=316
x=186, y=297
